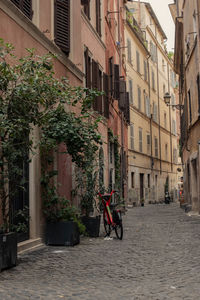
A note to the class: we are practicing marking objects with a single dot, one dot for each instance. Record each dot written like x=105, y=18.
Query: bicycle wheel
x=106, y=226
x=119, y=231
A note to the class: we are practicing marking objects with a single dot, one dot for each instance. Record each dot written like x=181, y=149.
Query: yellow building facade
x=153, y=154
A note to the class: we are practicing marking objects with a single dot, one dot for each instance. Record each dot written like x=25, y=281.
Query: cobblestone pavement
x=159, y=258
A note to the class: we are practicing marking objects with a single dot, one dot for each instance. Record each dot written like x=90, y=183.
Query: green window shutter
x=62, y=24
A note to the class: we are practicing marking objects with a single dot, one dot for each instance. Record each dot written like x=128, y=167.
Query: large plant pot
x=62, y=233
x=92, y=225
x=8, y=250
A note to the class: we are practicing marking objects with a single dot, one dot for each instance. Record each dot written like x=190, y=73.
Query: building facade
x=187, y=53
x=153, y=154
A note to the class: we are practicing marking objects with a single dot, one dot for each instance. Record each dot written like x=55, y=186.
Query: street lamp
x=167, y=99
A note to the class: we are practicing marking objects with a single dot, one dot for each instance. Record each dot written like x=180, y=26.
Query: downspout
x=149, y=93
x=158, y=93
x=170, y=125
x=122, y=114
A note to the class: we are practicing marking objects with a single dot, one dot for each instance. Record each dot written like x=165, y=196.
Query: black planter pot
x=62, y=233
x=92, y=225
x=8, y=250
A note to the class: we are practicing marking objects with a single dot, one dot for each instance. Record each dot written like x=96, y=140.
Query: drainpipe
x=122, y=114
x=170, y=125
x=158, y=93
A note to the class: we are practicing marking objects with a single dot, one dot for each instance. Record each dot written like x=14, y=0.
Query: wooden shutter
x=116, y=82
x=87, y=69
x=98, y=16
x=111, y=76
x=62, y=24
x=95, y=76
x=127, y=109
x=85, y=2
x=25, y=6
x=99, y=84
x=122, y=99
x=106, y=95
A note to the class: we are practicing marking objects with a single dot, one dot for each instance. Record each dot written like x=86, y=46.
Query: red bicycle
x=112, y=221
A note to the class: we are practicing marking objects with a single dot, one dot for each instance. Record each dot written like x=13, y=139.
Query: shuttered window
x=131, y=91
x=127, y=109
x=86, y=7
x=138, y=61
x=25, y=6
x=116, y=82
x=148, y=143
x=87, y=69
x=129, y=51
x=106, y=96
x=62, y=24
x=98, y=16
x=122, y=100
x=132, y=137
x=139, y=98
x=145, y=70
x=111, y=75
x=156, y=146
x=140, y=139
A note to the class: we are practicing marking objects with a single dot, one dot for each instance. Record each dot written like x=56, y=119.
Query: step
x=28, y=245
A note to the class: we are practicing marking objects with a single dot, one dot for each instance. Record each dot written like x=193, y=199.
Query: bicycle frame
x=106, y=205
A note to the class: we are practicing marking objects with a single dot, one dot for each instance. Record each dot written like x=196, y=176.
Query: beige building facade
x=187, y=66
x=153, y=153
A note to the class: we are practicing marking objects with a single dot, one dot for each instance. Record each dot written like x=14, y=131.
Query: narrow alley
x=157, y=259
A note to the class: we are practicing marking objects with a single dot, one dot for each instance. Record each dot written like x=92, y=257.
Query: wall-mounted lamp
x=167, y=99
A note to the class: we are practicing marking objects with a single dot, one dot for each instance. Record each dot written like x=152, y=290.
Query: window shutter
x=25, y=6
x=106, y=95
x=111, y=75
x=95, y=70
x=87, y=69
x=138, y=61
x=99, y=84
x=130, y=91
x=85, y=2
x=98, y=16
x=132, y=136
x=122, y=99
x=127, y=109
x=62, y=24
x=116, y=88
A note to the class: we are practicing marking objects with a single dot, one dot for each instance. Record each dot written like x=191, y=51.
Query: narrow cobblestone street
x=157, y=259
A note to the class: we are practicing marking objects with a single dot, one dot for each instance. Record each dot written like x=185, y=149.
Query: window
x=173, y=102
x=145, y=70
x=87, y=69
x=174, y=126
x=129, y=51
x=111, y=75
x=132, y=180
x=163, y=65
x=132, y=136
x=25, y=6
x=153, y=52
x=148, y=180
x=140, y=139
x=147, y=103
x=131, y=90
x=148, y=143
x=166, y=151
x=86, y=7
x=138, y=61
x=139, y=98
x=62, y=24
x=97, y=84
x=153, y=80
x=98, y=16
x=165, y=120
x=155, y=112
x=156, y=146
x=175, y=156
